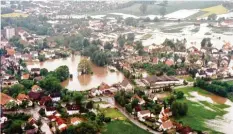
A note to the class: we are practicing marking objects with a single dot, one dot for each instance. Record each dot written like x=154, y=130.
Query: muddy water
x=80, y=82
x=224, y=123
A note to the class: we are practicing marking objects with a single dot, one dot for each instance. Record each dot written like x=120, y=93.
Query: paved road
x=125, y=113
x=34, y=112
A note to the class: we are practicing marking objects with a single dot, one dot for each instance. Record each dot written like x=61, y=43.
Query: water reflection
x=80, y=82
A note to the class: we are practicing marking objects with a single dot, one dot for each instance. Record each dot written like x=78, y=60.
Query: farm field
x=123, y=127
x=201, y=110
x=219, y=9
x=13, y=15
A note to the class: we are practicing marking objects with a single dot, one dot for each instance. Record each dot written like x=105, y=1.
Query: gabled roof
x=125, y=82
x=72, y=107
x=5, y=98
x=144, y=112
x=22, y=97
x=167, y=124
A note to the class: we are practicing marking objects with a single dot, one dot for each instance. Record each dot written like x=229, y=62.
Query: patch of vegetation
x=113, y=113
x=123, y=127
x=199, y=112
x=14, y=15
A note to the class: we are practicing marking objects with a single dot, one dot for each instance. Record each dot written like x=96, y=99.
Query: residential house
x=141, y=100
x=143, y=114
x=152, y=97
x=8, y=83
x=165, y=112
x=169, y=62
x=10, y=51
x=201, y=74
x=32, y=121
x=36, y=88
x=125, y=84
x=5, y=99
x=25, y=76
x=35, y=96
x=35, y=71
x=55, y=96
x=181, y=71
x=76, y=120
x=103, y=86
x=210, y=72
x=23, y=97
x=44, y=100
x=72, y=109
x=34, y=54
x=95, y=92
x=166, y=125
x=50, y=111
x=155, y=60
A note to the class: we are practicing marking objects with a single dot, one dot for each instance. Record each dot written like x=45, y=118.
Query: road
x=34, y=112
x=125, y=113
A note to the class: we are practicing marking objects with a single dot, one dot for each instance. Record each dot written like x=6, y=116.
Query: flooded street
x=220, y=123
x=80, y=82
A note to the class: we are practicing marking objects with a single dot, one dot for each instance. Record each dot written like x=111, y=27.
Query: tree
x=16, y=89
x=62, y=73
x=130, y=37
x=179, y=108
x=129, y=108
x=108, y=46
x=162, y=11
x=143, y=8
x=51, y=84
x=87, y=128
x=11, y=105
x=15, y=127
x=84, y=66
x=78, y=97
x=131, y=21
x=134, y=103
x=212, y=17
x=101, y=58
x=179, y=95
x=27, y=83
x=121, y=40
x=41, y=58
x=89, y=105
x=44, y=71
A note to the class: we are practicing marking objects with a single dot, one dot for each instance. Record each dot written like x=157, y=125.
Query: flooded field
x=80, y=82
x=223, y=123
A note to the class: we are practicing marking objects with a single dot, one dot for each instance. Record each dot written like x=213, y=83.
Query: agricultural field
x=14, y=15
x=200, y=109
x=123, y=127
x=219, y=9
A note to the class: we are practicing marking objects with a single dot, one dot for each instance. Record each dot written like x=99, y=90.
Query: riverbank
x=203, y=106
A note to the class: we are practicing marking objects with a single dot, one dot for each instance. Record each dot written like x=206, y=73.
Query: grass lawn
x=230, y=82
x=123, y=127
x=13, y=15
x=113, y=113
x=187, y=78
x=199, y=112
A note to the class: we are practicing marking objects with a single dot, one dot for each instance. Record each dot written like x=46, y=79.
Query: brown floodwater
x=80, y=82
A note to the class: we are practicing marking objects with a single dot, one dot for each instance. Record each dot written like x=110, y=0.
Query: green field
x=123, y=127
x=155, y=8
x=113, y=113
x=14, y=15
x=199, y=112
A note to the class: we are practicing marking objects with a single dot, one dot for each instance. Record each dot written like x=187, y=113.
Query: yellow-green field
x=13, y=15
x=214, y=10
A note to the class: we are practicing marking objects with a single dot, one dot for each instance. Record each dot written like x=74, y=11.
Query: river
x=80, y=82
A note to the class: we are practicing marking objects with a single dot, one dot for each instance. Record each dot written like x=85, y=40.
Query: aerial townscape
x=116, y=67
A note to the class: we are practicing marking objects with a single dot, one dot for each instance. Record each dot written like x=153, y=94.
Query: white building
x=10, y=32
x=145, y=113
x=49, y=111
